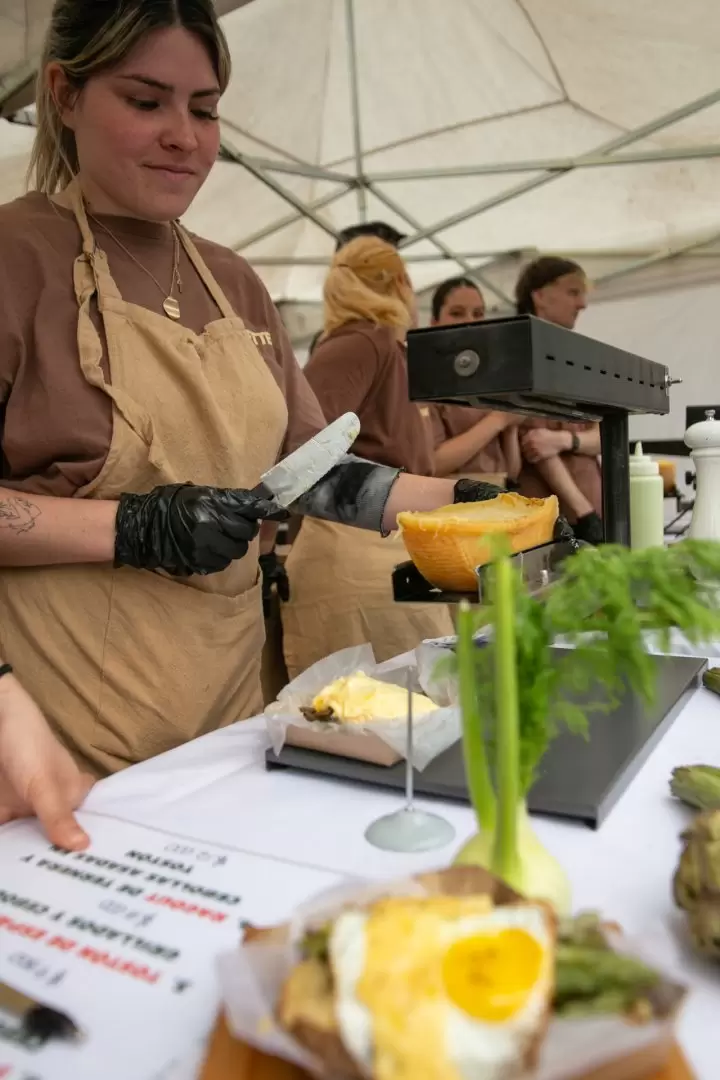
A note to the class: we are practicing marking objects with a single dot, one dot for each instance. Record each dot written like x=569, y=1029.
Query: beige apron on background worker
x=128, y=663
x=341, y=595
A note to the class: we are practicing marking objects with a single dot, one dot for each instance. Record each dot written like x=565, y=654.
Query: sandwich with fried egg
x=457, y=984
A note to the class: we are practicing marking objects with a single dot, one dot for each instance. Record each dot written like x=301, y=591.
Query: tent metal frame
x=364, y=182
x=544, y=171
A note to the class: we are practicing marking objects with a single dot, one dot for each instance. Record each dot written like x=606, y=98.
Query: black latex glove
x=185, y=529
x=589, y=528
x=563, y=533
x=468, y=491
x=273, y=573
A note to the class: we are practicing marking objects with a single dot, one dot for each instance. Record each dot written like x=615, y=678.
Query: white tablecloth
x=217, y=790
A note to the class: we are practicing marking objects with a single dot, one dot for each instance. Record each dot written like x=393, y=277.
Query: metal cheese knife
x=302, y=469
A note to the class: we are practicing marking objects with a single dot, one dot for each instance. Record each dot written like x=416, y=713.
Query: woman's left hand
x=37, y=774
x=539, y=444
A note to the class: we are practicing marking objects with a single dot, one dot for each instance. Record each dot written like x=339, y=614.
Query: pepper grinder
x=704, y=442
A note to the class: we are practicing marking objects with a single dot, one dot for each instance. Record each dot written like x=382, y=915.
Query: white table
x=217, y=790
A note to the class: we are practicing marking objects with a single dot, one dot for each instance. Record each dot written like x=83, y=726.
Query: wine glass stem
x=409, y=777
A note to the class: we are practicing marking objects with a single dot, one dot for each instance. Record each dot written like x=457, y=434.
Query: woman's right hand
x=38, y=777
x=187, y=529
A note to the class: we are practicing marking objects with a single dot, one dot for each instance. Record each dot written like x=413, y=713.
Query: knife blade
x=302, y=469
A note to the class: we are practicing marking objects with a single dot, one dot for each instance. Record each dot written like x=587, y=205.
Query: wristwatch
x=575, y=445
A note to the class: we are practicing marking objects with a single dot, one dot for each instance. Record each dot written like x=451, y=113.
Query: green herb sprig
x=603, y=604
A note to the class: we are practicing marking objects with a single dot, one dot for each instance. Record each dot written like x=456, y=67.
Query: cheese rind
x=447, y=545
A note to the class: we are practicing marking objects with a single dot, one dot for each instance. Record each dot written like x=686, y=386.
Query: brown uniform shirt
x=362, y=368
x=449, y=421
x=585, y=470
x=56, y=428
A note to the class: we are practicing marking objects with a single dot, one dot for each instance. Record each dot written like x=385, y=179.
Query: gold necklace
x=171, y=306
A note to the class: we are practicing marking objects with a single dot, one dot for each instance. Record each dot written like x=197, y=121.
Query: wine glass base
x=410, y=830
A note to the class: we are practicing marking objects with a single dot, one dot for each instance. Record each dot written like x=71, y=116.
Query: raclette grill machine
x=524, y=364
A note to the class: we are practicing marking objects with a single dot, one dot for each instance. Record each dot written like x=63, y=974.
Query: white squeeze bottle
x=647, y=506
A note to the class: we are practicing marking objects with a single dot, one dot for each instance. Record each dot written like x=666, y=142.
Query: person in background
x=340, y=581
x=275, y=582
x=146, y=384
x=381, y=229
x=470, y=441
x=37, y=775
x=367, y=228
x=560, y=458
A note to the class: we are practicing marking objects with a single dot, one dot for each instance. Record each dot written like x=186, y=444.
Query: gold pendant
x=171, y=307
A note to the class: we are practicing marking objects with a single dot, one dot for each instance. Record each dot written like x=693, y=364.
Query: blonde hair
x=367, y=281
x=87, y=37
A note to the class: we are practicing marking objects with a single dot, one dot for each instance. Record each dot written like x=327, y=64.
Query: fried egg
x=442, y=988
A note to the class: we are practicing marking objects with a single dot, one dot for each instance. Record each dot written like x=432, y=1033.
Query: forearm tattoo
x=18, y=514
x=354, y=492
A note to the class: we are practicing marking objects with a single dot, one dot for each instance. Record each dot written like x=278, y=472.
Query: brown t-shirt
x=449, y=421
x=56, y=428
x=362, y=368
x=584, y=469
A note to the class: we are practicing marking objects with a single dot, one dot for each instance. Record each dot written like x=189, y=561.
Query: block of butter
x=358, y=699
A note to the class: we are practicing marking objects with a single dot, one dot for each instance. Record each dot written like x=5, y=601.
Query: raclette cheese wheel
x=447, y=546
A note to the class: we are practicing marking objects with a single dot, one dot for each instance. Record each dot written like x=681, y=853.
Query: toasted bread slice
x=306, y=1011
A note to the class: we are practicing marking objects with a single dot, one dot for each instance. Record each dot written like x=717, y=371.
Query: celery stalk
x=505, y=859
x=477, y=771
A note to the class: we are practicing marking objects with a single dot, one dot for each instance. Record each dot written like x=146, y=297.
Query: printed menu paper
x=123, y=938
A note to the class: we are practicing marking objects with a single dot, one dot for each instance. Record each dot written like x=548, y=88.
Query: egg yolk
x=491, y=976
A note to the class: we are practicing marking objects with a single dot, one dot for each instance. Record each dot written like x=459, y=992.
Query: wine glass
x=409, y=829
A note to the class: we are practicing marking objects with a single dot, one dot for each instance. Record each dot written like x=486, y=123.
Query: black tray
x=579, y=780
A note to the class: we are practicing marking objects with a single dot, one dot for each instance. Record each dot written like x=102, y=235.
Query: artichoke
x=711, y=679
x=697, y=785
x=696, y=886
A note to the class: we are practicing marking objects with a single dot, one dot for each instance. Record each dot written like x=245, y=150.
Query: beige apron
x=127, y=663
x=341, y=595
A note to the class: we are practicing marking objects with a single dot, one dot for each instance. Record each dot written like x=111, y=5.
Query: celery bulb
x=510, y=848
x=540, y=876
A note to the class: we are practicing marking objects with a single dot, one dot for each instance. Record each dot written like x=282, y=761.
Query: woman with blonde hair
x=146, y=383
x=340, y=580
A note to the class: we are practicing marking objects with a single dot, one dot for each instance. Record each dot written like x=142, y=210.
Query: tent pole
x=355, y=107
x=645, y=157
x=321, y=260
x=659, y=257
x=290, y=219
x=475, y=273
x=495, y=256
x=302, y=208
x=608, y=148
x=292, y=168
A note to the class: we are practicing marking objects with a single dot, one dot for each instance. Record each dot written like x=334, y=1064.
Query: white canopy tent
x=487, y=130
